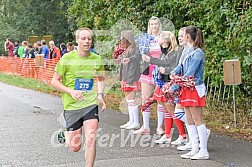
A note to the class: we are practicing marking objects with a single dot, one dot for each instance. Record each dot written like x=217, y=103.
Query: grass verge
x=27, y=83
x=219, y=122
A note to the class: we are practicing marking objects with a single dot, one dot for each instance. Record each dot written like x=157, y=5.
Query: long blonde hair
x=168, y=36
x=159, y=22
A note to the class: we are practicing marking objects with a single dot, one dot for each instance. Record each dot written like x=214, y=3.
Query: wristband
x=100, y=94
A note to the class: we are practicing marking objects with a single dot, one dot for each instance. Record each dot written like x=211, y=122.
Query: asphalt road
x=30, y=120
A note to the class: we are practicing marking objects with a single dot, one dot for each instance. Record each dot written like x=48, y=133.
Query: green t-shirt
x=20, y=51
x=72, y=66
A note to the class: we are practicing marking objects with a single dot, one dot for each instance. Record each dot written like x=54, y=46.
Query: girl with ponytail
x=193, y=99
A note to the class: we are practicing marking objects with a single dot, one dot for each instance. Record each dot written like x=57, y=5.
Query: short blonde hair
x=159, y=22
x=168, y=36
x=77, y=32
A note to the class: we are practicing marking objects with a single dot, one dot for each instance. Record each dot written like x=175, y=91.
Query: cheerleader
x=193, y=99
x=178, y=114
x=169, y=58
x=147, y=83
x=129, y=76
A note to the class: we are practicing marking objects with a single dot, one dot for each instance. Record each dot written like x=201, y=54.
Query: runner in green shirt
x=74, y=77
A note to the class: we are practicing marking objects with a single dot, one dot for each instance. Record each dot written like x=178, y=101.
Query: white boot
x=203, y=153
x=131, y=119
x=194, y=138
x=125, y=125
x=163, y=140
x=187, y=147
x=180, y=140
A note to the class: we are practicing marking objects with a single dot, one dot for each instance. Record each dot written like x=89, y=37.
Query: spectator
x=25, y=51
x=63, y=49
x=147, y=82
x=193, y=99
x=54, y=51
x=70, y=47
x=45, y=49
x=31, y=52
x=21, y=50
x=9, y=46
x=16, y=46
x=39, y=47
x=35, y=46
x=92, y=49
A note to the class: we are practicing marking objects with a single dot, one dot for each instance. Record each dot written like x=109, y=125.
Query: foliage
x=226, y=26
x=46, y=17
x=7, y=31
x=21, y=19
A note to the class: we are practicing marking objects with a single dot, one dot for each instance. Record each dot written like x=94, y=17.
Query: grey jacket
x=177, y=54
x=169, y=60
x=131, y=72
x=166, y=60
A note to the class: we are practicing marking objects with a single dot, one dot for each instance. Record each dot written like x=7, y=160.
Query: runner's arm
x=56, y=82
x=101, y=87
x=101, y=84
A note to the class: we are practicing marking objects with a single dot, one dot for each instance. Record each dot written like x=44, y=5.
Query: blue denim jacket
x=193, y=66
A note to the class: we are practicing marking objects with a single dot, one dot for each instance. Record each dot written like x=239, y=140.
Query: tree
x=35, y=17
x=226, y=25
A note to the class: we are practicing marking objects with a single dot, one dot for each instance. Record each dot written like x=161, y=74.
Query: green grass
x=116, y=91
x=27, y=83
x=37, y=85
x=217, y=121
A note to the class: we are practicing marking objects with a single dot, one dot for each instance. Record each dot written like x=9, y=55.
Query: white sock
x=160, y=114
x=146, y=118
x=180, y=114
x=194, y=137
x=202, y=131
x=130, y=103
x=187, y=137
x=134, y=109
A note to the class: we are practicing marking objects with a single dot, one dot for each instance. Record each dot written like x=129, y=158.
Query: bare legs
x=147, y=90
x=74, y=140
x=197, y=134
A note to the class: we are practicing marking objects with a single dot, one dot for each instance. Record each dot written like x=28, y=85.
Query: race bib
x=83, y=84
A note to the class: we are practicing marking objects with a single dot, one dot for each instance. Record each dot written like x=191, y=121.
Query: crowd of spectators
x=28, y=50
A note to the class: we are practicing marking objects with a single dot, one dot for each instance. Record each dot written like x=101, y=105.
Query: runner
x=74, y=77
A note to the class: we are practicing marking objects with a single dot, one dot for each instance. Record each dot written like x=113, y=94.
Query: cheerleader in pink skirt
x=147, y=83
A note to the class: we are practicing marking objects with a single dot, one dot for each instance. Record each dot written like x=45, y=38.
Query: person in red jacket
x=9, y=46
x=54, y=51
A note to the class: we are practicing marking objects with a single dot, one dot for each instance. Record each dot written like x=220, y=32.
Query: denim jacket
x=193, y=66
